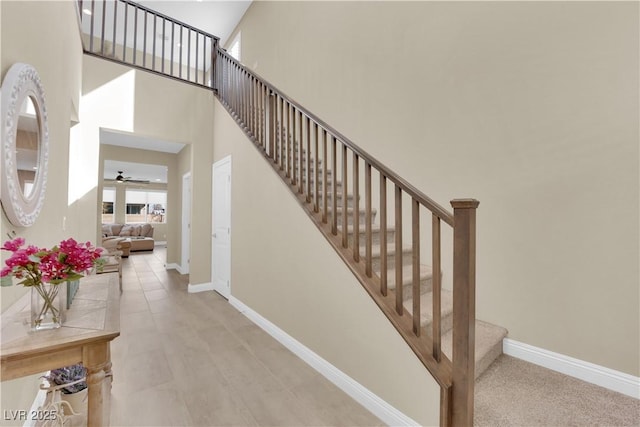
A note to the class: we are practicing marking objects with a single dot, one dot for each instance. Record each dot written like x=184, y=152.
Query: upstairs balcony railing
x=383, y=227
x=130, y=33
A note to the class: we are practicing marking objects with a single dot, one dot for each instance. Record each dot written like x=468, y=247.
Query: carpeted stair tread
x=488, y=344
x=407, y=275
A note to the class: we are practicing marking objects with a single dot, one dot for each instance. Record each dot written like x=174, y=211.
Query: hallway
x=192, y=359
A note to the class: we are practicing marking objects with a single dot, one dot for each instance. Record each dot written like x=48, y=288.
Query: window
x=146, y=206
x=234, y=47
x=108, y=205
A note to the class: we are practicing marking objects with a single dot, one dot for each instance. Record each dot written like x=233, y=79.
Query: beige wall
x=44, y=34
x=530, y=107
x=285, y=270
x=121, y=99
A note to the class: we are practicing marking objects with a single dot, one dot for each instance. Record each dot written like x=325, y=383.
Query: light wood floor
x=193, y=360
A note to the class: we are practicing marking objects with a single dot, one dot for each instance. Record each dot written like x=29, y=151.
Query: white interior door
x=221, y=226
x=186, y=224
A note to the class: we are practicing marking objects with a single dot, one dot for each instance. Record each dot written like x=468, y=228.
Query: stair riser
x=375, y=238
x=338, y=200
x=407, y=259
x=426, y=285
x=320, y=185
x=361, y=218
x=446, y=323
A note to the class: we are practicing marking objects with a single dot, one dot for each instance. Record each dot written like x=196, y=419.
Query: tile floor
x=193, y=360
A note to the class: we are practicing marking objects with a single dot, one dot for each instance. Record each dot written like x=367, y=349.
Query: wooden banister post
x=464, y=310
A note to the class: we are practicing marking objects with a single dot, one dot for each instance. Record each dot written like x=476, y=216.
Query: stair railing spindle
x=367, y=219
x=173, y=42
x=144, y=41
x=415, y=260
x=308, y=155
x=135, y=33
x=334, y=187
x=280, y=133
x=345, y=238
x=398, y=249
x=436, y=280
x=93, y=18
x=204, y=59
x=246, y=88
x=255, y=99
x=180, y=55
x=153, y=56
x=188, y=54
x=356, y=207
x=300, y=153
x=195, y=68
x=316, y=171
x=383, y=235
x=124, y=42
x=294, y=147
x=104, y=18
x=115, y=26
x=325, y=162
x=262, y=114
x=272, y=124
x=287, y=138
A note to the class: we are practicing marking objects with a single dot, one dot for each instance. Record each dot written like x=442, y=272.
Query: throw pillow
x=106, y=230
x=145, y=229
x=126, y=231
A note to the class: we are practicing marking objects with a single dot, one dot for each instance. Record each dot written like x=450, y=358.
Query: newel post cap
x=465, y=203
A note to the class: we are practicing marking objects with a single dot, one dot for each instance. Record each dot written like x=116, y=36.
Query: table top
x=94, y=316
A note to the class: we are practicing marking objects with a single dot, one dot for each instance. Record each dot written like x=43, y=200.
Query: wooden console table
x=92, y=322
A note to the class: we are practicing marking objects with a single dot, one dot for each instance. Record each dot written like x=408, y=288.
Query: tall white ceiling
x=216, y=17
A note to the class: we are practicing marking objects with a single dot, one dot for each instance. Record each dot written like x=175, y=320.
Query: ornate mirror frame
x=21, y=83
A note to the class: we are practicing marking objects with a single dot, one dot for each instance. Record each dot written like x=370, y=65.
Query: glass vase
x=46, y=307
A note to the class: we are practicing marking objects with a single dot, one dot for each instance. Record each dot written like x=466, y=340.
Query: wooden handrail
x=425, y=200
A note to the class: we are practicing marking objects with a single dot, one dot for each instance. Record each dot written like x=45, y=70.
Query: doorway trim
x=185, y=247
x=222, y=289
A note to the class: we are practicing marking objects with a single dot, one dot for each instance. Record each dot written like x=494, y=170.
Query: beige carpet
x=516, y=393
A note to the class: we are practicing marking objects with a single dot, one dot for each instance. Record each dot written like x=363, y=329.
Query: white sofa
x=140, y=235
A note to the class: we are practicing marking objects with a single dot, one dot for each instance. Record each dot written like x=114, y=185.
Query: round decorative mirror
x=25, y=145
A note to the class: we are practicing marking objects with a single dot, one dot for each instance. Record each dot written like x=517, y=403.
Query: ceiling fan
x=120, y=178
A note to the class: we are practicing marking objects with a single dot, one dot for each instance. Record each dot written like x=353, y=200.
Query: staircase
x=488, y=337
x=386, y=231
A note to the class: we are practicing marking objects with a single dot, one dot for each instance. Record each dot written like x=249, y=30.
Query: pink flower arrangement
x=34, y=266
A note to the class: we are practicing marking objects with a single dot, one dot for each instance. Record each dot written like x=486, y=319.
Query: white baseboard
x=387, y=413
x=200, y=287
x=177, y=267
x=172, y=266
x=585, y=371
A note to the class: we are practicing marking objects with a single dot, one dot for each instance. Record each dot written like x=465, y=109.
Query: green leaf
x=74, y=276
x=6, y=281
